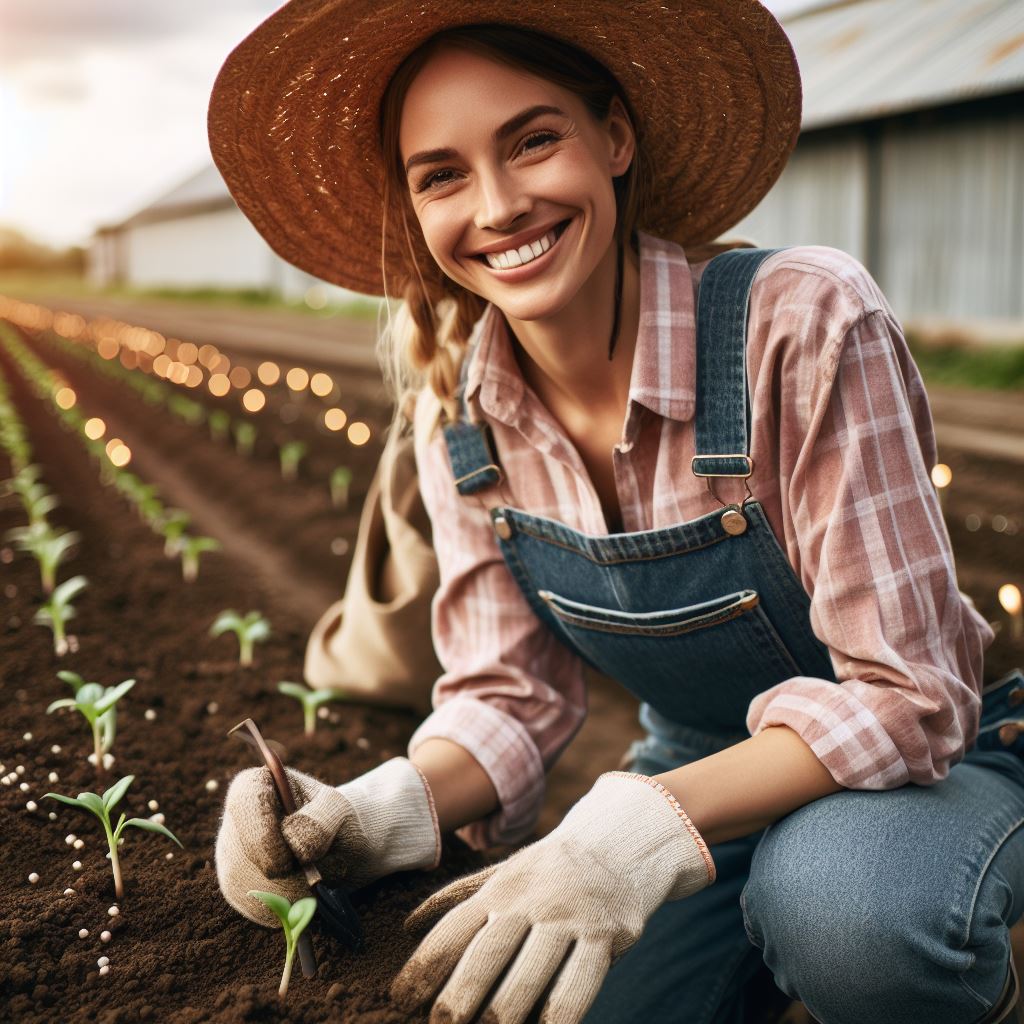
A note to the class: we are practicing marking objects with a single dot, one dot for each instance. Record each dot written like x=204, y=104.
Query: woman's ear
x=621, y=138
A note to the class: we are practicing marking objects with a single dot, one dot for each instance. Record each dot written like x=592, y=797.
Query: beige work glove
x=590, y=885
x=380, y=822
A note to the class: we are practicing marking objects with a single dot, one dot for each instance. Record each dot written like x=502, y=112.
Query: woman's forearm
x=462, y=790
x=746, y=787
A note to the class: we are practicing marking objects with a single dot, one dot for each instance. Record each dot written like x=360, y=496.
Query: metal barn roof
x=862, y=59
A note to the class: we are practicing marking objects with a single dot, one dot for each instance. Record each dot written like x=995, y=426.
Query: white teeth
x=524, y=254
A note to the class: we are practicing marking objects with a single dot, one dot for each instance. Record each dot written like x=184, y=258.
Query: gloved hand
x=380, y=822
x=621, y=851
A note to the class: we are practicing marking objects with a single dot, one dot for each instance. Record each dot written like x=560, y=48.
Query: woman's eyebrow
x=512, y=125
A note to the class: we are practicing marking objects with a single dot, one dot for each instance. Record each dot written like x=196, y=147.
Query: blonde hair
x=424, y=340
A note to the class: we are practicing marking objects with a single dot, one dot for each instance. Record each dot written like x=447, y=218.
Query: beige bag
x=375, y=643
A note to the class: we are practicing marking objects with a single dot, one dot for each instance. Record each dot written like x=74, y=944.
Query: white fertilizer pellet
x=103, y=961
x=113, y=911
x=55, y=749
x=27, y=737
x=69, y=892
x=78, y=844
x=83, y=933
x=70, y=838
x=53, y=777
x=105, y=936
x=31, y=805
x=105, y=969
x=149, y=715
x=153, y=805
x=211, y=785
x=77, y=865
x=33, y=878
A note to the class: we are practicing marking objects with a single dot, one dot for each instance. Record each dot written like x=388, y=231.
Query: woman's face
x=502, y=165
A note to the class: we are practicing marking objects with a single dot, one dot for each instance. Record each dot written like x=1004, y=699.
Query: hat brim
x=294, y=113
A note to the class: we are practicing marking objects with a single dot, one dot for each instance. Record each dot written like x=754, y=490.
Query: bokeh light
x=187, y=353
x=253, y=400
x=268, y=373
x=240, y=377
x=121, y=455
x=358, y=433
x=1009, y=598
x=219, y=385
x=94, y=428
x=941, y=475
x=297, y=378
x=321, y=385
x=65, y=398
x=335, y=419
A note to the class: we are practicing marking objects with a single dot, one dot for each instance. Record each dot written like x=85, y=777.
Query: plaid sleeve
x=511, y=694
x=872, y=550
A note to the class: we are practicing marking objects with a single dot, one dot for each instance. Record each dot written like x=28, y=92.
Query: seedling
x=294, y=917
x=245, y=437
x=57, y=610
x=220, y=424
x=96, y=703
x=291, y=454
x=101, y=806
x=191, y=548
x=48, y=546
x=311, y=700
x=341, y=478
x=250, y=629
x=173, y=525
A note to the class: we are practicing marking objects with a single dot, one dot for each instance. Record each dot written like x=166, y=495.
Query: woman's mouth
x=511, y=259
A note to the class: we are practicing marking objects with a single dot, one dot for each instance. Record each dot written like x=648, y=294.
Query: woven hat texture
x=294, y=114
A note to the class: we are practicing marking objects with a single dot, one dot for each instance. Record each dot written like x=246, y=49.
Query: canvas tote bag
x=375, y=643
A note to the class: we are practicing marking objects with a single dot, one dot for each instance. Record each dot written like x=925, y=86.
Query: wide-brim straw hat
x=294, y=114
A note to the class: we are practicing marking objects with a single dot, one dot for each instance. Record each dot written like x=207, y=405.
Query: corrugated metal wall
x=935, y=211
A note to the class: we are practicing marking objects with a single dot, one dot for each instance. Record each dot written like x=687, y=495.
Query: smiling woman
x=730, y=515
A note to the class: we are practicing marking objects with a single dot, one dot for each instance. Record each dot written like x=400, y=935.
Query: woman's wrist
x=461, y=790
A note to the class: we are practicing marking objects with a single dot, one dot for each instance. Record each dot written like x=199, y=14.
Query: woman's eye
x=538, y=139
x=435, y=180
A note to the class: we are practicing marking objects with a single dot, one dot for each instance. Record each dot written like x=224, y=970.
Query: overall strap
x=470, y=445
x=722, y=424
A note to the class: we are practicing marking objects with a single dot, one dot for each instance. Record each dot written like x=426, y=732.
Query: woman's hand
x=381, y=822
x=590, y=885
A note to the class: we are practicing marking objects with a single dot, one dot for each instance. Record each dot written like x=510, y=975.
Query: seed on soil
x=211, y=785
x=158, y=818
x=20, y=769
x=103, y=961
x=363, y=743
x=77, y=865
x=212, y=708
x=69, y=892
x=52, y=815
x=105, y=969
x=153, y=805
x=53, y=777
x=33, y=878
x=149, y=715
x=31, y=805
x=83, y=933
x=70, y=838
x=55, y=749
x=168, y=856
x=78, y=844
x=24, y=787
x=113, y=911
x=105, y=936
x=322, y=713
x=27, y=737
x=108, y=760
x=6, y=780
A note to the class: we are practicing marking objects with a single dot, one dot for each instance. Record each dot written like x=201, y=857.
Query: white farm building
x=911, y=157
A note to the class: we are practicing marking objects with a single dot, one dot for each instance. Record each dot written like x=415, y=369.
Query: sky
x=103, y=104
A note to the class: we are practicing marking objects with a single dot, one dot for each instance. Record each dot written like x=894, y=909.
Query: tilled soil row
x=178, y=953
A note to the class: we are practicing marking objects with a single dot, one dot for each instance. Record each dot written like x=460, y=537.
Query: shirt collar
x=664, y=364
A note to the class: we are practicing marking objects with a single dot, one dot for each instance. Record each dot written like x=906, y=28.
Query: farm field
x=177, y=952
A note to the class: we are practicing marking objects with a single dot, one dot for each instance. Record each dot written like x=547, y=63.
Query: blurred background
x=151, y=301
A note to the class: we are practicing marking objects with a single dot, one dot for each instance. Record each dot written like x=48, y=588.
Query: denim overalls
x=695, y=619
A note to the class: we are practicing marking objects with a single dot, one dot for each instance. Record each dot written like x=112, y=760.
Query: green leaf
x=296, y=690
x=278, y=904
x=300, y=915
x=92, y=802
x=88, y=693
x=113, y=795
x=229, y=619
x=113, y=695
x=64, y=799
x=153, y=826
x=65, y=591
x=67, y=702
x=73, y=678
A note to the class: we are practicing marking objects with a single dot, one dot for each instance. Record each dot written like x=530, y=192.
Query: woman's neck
x=564, y=358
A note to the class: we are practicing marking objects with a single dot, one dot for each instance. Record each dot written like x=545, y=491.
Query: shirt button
x=502, y=527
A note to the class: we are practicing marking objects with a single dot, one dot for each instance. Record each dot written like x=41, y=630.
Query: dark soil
x=178, y=953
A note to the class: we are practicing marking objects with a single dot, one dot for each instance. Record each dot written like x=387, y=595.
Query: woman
x=707, y=479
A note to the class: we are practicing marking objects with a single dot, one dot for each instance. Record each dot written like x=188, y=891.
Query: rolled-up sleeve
x=864, y=529
x=511, y=694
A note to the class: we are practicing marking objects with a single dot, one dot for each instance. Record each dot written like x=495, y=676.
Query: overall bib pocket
x=700, y=664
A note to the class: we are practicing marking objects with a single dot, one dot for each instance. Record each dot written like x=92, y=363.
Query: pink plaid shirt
x=842, y=444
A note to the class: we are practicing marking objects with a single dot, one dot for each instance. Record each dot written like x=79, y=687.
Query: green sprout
x=151, y=510
x=38, y=502
x=220, y=424
x=341, y=478
x=291, y=454
x=101, y=806
x=47, y=545
x=294, y=917
x=191, y=548
x=311, y=700
x=97, y=705
x=245, y=437
x=56, y=611
x=250, y=629
x=172, y=527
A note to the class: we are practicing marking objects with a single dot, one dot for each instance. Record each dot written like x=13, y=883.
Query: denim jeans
x=871, y=907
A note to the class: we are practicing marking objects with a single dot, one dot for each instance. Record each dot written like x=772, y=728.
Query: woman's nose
x=500, y=202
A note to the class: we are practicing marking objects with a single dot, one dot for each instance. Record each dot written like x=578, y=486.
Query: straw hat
x=294, y=114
